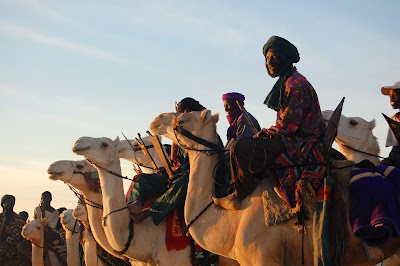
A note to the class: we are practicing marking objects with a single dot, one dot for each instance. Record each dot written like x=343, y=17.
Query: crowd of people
x=13, y=247
x=296, y=134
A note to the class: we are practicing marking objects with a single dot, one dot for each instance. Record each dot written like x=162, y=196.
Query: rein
x=364, y=152
x=73, y=229
x=131, y=222
x=213, y=147
x=214, y=150
x=36, y=244
x=108, y=171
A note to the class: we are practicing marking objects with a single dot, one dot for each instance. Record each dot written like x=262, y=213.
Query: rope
x=190, y=224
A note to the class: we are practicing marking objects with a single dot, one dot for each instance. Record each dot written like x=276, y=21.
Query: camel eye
x=79, y=166
x=353, y=123
x=104, y=145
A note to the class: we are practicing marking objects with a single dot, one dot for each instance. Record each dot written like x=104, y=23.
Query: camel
x=72, y=229
x=355, y=133
x=72, y=173
x=34, y=232
x=242, y=234
x=148, y=244
x=357, y=142
x=89, y=244
x=130, y=150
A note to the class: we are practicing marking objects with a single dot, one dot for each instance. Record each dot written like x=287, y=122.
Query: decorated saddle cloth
x=276, y=210
x=374, y=204
x=296, y=172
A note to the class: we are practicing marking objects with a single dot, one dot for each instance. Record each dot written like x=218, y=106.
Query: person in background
x=24, y=215
x=45, y=210
x=239, y=126
x=10, y=233
x=297, y=132
x=394, y=96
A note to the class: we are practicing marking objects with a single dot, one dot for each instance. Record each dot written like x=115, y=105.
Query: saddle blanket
x=374, y=204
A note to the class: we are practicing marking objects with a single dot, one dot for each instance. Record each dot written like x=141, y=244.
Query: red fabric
x=175, y=237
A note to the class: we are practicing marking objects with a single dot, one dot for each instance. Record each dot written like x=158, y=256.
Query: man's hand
x=263, y=134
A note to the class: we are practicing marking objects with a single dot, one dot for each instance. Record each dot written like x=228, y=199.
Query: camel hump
x=331, y=129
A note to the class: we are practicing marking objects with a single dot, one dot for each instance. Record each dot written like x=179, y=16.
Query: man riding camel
x=297, y=132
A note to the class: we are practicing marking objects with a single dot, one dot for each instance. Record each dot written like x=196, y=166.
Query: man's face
x=7, y=205
x=46, y=198
x=230, y=106
x=395, y=98
x=274, y=63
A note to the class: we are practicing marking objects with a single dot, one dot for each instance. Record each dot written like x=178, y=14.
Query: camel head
x=131, y=151
x=80, y=213
x=101, y=151
x=65, y=170
x=34, y=231
x=199, y=123
x=68, y=221
x=355, y=132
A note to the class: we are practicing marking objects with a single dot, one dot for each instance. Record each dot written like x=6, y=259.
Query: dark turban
x=279, y=44
x=233, y=96
x=9, y=198
x=189, y=104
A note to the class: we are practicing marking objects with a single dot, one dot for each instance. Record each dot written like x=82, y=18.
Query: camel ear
x=216, y=117
x=371, y=124
x=116, y=141
x=205, y=115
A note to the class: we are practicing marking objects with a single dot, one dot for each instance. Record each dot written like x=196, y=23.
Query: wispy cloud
x=28, y=33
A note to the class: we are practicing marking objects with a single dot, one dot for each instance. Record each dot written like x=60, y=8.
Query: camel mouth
x=80, y=150
x=55, y=175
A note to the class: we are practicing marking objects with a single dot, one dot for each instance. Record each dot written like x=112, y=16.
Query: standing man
x=239, y=126
x=10, y=232
x=45, y=210
x=394, y=95
x=298, y=128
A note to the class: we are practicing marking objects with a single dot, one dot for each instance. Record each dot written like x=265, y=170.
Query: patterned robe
x=10, y=236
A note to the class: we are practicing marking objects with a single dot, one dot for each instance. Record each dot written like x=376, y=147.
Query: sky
x=102, y=68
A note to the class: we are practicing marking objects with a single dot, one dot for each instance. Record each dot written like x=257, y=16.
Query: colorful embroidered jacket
x=299, y=120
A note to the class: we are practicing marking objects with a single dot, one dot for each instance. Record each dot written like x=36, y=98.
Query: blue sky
x=99, y=68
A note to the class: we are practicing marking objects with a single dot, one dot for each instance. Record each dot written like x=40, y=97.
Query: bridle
x=213, y=148
x=359, y=151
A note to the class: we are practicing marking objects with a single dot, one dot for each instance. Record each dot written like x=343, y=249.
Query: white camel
x=89, y=244
x=72, y=230
x=241, y=234
x=355, y=139
x=148, y=242
x=34, y=232
x=131, y=151
x=72, y=173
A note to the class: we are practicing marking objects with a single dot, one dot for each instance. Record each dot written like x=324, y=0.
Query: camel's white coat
x=72, y=229
x=34, y=232
x=70, y=172
x=240, y=234
x=148, y=244
x=89, y=244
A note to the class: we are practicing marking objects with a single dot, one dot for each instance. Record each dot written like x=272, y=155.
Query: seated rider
x=239, y=126
x=394, y=95
x=173, y=192
x=299, y=124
